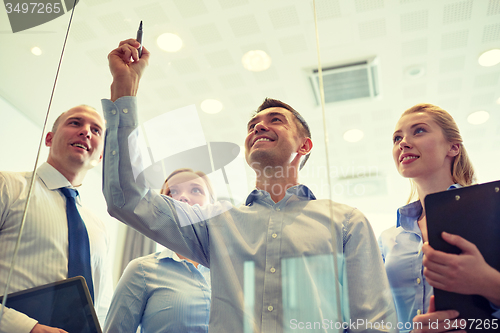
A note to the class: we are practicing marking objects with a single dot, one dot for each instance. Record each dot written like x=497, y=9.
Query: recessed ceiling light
x=478, y=117
x=414, y=72
x=353, y=135
x=169, y=42
x=489, y=58
x=256, y=61
x=498, y=100
x=36, y=50
x=211, y=106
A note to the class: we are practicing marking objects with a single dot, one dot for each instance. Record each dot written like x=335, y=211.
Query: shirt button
x=113, y=112
x=113, y=152
x=277, y=209
x=273, y=270
x=270, y=308
x=125, y=110
x=419, y=312
x=418, y=280
x=274, y=235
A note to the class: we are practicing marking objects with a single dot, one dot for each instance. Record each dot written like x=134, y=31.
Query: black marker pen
x=139, y=39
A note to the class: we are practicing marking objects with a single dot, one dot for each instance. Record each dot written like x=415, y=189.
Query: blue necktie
x=78, y=242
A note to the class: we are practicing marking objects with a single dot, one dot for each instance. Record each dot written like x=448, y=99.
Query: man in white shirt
x=76, y=144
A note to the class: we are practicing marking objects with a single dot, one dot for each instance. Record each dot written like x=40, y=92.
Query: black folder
x=472, y=212
x=64, y=304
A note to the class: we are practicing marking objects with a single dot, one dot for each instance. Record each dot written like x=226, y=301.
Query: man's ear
x=454, y=150
x=48, y=139
x=306, y=147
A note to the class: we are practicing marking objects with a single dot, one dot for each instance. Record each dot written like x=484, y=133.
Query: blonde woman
x=428, y=149
x=166, y=292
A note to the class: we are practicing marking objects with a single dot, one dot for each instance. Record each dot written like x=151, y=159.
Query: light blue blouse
x=401, y=248
x=162, y=293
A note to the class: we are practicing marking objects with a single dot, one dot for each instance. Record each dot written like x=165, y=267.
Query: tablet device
x=472, y=212
x=64, y=304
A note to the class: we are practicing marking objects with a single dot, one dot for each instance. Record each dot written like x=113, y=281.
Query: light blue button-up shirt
x=162, y=293
x=401, y=248
x=274, y=266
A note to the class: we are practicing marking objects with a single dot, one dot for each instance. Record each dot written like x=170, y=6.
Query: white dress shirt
x=43, y=252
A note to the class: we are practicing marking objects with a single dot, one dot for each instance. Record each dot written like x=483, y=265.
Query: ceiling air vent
x=347, y=82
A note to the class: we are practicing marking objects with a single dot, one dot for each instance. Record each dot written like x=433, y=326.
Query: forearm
x=491, y=288
x=127, y=196
x=14, y=321
x=121, y=87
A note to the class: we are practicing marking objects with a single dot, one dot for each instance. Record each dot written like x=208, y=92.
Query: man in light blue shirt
x=282, y=261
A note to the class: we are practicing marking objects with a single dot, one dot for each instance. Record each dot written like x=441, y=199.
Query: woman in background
x=164, y=291
x=428, y=149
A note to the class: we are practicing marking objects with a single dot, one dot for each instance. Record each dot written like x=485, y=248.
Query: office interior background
x=379, y=57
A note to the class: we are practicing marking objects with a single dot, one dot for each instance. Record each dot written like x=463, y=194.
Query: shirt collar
x=52, y=178
x=300, y=190
x=408, y=214
x=167, y=253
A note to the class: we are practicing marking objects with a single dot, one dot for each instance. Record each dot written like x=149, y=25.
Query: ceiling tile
x=452, y=64
x=98, y=56
x=367, y=5
x=151, y=14
x=82, y=32
x=418, y=90
x=327, y=9
x=486, y=80
x=372, y=29
x=493, y=7
x=206, y=34
x=457, y=12
x=450, y=86
x=232, y=3
x=269, y=75
x=232, y=81
x=115, y=23
x=191, y=8
x=414, y=21
x=199, y=87
x=284, y=17
x=454, y=40
x=293, y=44
x=185, y=66
x=482, y=99
x=491, y=33
x=244, y=25
x=96, y=2
x=219, y=59
x=168, y=92
x=414, y=48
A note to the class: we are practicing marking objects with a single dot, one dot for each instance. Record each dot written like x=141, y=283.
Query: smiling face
x=187, y=187
x=420, y=149
x=78, y=141
x=273, y=139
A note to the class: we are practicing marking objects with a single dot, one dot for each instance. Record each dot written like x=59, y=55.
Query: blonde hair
x=462, y=171
x=166, y=190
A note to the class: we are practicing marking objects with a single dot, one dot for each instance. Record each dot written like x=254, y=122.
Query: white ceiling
x=444, y=37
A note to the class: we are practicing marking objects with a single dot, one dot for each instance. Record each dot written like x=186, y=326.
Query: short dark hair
x=299, y=120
